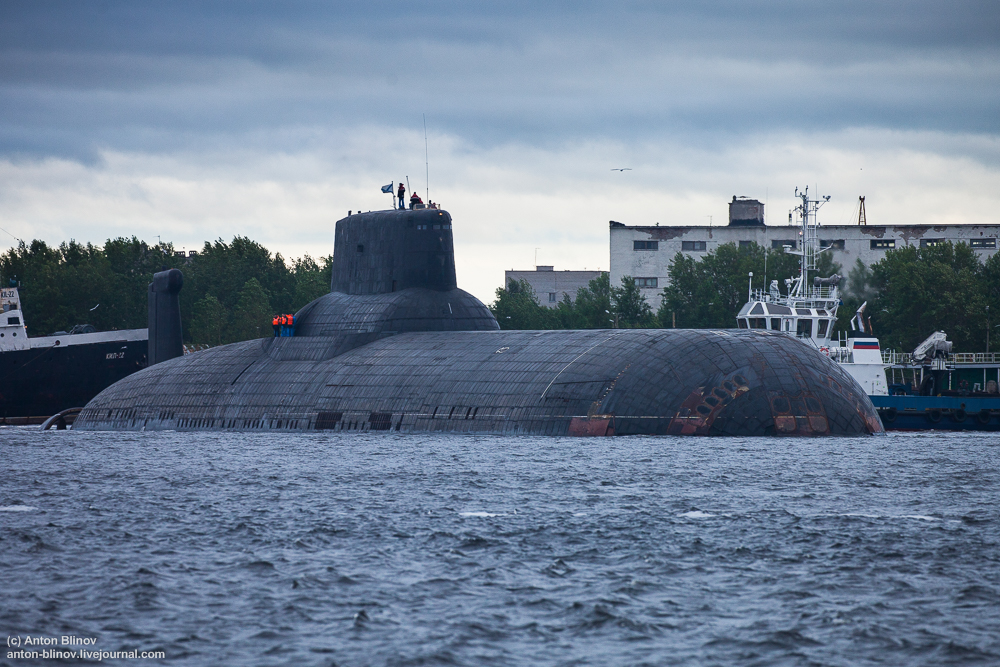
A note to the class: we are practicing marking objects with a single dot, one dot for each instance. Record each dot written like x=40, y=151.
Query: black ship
x=46, y=375
x=396, y=346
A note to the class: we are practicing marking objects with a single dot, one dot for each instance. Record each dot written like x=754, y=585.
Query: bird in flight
x=622, y=169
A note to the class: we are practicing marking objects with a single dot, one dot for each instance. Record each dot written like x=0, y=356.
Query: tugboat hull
x=938, y=413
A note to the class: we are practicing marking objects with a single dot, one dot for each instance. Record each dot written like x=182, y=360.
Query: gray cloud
x=79, y=77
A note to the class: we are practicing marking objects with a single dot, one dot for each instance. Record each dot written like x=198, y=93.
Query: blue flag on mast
x=387, y=189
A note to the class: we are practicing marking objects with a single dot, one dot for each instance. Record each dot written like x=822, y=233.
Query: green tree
x=76, y=284
x=591, y=309
x=224, y=268
x=312, y=279
x=252, y=315
x=709, y=292
x=210, y=321
x=630, y=307
x=517, y=307
x=991, y=294
x=922, y=290
x=82, y=283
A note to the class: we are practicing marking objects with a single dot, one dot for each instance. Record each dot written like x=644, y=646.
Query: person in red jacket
x=400, y=193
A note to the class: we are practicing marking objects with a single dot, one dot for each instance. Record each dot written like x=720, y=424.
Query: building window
x=645, y=245
x=775, y=324
x=784, y=244
x=836, y=244
x=746, y=244
x=883, y=244
x=645, y=282
x=552, y=297
x=983, y=243
x=692, y=245
x=930, y=243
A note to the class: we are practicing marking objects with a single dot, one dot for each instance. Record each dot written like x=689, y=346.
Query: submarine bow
x=396, y=346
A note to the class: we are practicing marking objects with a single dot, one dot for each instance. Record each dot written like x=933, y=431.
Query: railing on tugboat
x=893, y=358
x=811, y=294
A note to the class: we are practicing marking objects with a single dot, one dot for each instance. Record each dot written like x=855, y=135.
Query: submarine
x=396, y=346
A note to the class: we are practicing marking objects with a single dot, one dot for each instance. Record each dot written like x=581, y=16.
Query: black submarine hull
x=397, y=346
x=597, y=382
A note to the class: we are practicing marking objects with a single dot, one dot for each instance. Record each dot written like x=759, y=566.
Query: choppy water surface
x=237, y=549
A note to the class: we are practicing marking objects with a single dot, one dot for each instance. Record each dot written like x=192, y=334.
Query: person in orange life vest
x=414, y=200
x=400, y=193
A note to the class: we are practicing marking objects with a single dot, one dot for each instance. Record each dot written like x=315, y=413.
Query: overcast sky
x=195, y=121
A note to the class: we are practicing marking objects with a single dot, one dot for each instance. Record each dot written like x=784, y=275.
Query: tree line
x=231, y=290
x=910, y=293
x=702, y=293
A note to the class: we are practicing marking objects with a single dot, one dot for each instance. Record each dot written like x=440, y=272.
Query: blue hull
x=945, y=413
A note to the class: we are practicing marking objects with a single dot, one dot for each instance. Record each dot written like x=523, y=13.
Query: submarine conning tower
x=387, y=251
x=393, y=272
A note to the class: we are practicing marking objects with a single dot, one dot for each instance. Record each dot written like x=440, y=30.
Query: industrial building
x=645, y=251
x=550, y=285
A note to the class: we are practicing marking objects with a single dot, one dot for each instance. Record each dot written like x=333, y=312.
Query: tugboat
x=941, y=399
x=809, y=311
x=46, y=375
x=941, y=390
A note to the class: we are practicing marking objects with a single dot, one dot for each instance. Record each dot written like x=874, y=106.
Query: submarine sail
x=397, y=346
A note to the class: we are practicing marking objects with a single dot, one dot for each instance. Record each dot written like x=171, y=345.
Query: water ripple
x=365, y=549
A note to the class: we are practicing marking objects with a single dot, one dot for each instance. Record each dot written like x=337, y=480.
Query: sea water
x=381, y=549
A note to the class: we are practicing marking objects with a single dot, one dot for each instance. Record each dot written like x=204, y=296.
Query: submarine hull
x=595, y=382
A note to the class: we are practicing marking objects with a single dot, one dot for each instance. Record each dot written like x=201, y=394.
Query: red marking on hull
x=587, y=426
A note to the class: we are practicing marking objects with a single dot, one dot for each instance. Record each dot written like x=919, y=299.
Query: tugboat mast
x=806, y=211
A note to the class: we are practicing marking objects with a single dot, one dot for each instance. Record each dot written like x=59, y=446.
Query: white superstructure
x=809, y=311
x=14, y=332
